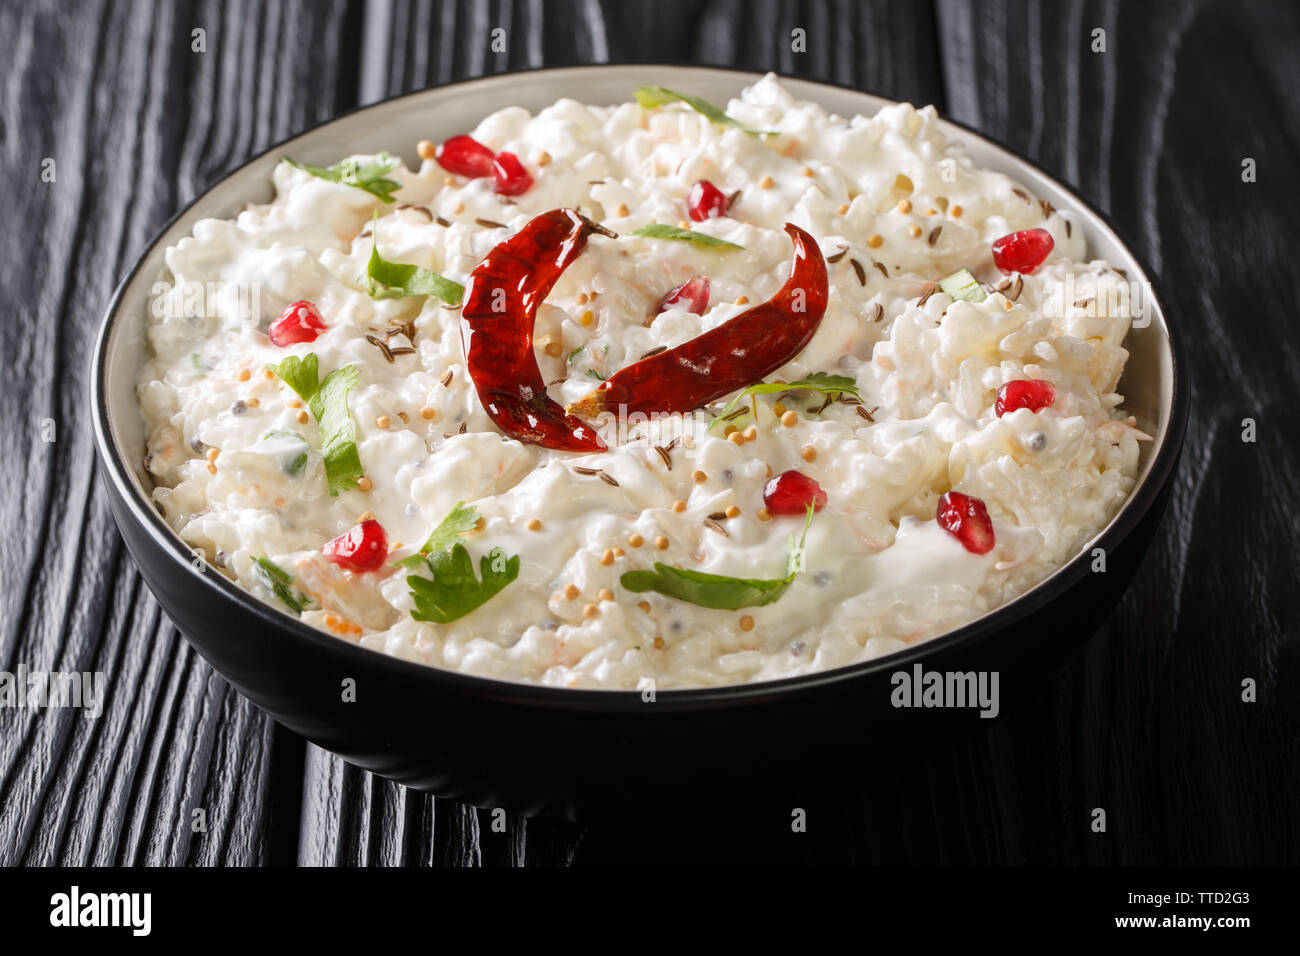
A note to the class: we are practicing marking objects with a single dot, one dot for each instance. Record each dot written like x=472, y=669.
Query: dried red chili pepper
x=498, y=309
x=732, y=356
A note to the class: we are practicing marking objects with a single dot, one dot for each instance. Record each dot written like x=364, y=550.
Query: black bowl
x=581, y=752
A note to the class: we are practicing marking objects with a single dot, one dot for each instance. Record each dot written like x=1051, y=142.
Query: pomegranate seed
x=692, y=295
x=464, y=156
x=791, y=492
x=510, y=177
x=301, y=322
x=705, y=201
x=363, y=547
x=1032, y=394
x=966, y=519
x=1022, y=251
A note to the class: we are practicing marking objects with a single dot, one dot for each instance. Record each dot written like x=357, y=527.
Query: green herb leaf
x=281, y=584
x=652, y=96
x=660, y=231
x=718, y=590
x=455, y=590
x=396, y=280
x=823, y=382
x=594, y=374
x=574, y=354
x=300, y=374
x=460, y=519
x=337, y=432
x=962, y=285
x=368, y=176
x=706, y=590
x=328, y=401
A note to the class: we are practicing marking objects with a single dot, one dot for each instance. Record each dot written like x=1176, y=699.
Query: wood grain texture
x=137, y=123
x=1147, y=723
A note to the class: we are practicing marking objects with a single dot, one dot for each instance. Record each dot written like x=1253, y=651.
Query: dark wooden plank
x=883, y=47
x=137, y=123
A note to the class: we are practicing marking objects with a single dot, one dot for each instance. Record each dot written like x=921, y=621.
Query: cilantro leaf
x=718, y=590
x=660, y=231
x=328, y=401
x=460, y=519
x=574, y=354
x=395, y=280
x=962, y=285
x=280, y=582
x=455, y=590
x=300, y=374
x=368, y=176
x=652, y=96
x=338, y=433
x=823, y=382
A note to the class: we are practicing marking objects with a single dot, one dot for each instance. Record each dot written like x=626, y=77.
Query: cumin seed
x=657, y=350
x=608, y=479
x=837, y=256
x=934, y=235
x=1021, y=193
x=581, y=470
x=490, y=224
x=1047, y=208
x=718, y=516
x=714, y=526
x=446, y=379
x=1003, y=285
x=881, y=266
x=1016, y=288
x=406, y=328
x=861, y=272
x=862, y=410
x=925, y=296
x=382, y=346
x=877, y=312
x=663, y=453
x=1068, y=229
x=733, y=199
x=440, y=221
x=423, y=210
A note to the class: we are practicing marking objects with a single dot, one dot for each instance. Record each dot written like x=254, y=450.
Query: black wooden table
x=133, y=113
